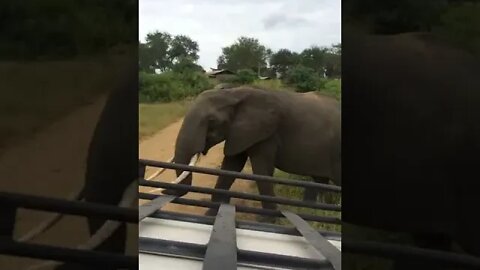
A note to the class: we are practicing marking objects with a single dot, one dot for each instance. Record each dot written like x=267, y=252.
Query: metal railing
x=316, y=238
x=11, y=202
x=225, y=223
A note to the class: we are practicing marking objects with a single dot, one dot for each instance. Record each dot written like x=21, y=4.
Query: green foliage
x=460, y=24
x=245, y=76
x=156, y=116
x=304, y=79
x=186, y=64
x=332, y=88
x=314, y=58
x=297, y=193
x=60, y=29
x=284, y=59
x=162, y=51
x=171, y=86
x=244, y=53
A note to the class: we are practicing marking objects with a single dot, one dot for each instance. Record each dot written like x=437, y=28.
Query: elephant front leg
x=231, y=163
x=263, y=163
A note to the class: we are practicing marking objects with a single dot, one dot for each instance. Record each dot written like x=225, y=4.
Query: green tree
x=314, y=58
x=303, y=78
x=245, y=53
x=158, y=44
x=186, y=64
x=282, y=60
x=333, y=61
x=182, y=47
x=162, y=51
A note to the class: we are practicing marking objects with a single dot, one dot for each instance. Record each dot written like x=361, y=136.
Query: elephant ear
x=254, y=120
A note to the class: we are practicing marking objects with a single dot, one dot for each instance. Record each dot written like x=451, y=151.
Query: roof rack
x=11, y=202
x=225, y=245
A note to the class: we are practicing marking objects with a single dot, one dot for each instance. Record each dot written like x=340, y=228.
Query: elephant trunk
x=190, y=142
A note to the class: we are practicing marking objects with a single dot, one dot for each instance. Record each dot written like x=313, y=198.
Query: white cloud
x=292, y=24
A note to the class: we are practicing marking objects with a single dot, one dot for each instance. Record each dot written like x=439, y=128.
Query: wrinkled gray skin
x=296, y=133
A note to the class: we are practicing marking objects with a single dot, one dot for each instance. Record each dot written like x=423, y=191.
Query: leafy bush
x=246, y=76
x=332, y=88
x=171, y=86
x=304, y=79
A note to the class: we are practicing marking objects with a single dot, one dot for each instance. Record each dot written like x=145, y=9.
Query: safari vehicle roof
x=196, y=233
x=177, y=240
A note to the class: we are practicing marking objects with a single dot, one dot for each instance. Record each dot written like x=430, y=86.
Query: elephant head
x=240, y=116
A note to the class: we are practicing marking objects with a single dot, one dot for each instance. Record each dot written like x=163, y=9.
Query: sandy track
x=161, y=147
x=61, y=164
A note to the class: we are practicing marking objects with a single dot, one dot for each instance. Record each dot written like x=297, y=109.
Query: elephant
x=298, y=133
x=113, y=146
x=111, y=170
x=412, y=134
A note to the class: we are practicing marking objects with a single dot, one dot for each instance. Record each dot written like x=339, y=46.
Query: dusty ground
x=47, y=155
x=161, y=147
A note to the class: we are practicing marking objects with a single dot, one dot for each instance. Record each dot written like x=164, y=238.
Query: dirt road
x=161, y=147
x=61, y=164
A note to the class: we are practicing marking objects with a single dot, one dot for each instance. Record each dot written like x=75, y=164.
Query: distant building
x=215, y=72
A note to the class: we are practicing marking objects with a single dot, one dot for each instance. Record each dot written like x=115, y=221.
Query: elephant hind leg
x=311, y=194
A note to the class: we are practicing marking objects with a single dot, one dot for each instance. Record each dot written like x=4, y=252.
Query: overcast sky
x=292, y=24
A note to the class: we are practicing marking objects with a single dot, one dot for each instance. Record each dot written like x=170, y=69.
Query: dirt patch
x=161, y=147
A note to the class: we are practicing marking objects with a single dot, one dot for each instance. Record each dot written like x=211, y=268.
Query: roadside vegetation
x=170, y=79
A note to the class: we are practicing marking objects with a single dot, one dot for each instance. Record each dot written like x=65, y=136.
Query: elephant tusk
x=159, y=171
x=184, y=174
x=107, y=229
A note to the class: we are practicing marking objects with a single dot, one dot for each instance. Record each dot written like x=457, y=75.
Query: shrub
x=171, y=86
x=332, y=88
x=246, y=76
x=304, y=79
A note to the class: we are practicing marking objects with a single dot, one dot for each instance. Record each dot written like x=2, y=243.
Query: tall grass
x=156, y=116
x=297, y=194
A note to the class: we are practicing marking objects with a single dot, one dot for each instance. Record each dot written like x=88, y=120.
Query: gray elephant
x=299, y=133
x=419, y=141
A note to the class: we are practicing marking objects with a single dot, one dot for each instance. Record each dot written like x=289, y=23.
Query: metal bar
x=333, y=255
x=399, y=252
x=241, y=224
x=243, y=209
x=85, y=257
x=79, y=208
x=241, y=195
x=141, y=170
x=154, y=205
x=7, y=223
x=245, y=257
x=221, y=251
x=251, y=177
